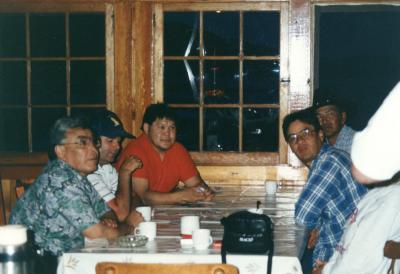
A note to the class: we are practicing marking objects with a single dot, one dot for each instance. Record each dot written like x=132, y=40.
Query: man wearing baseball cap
x=332, y=117
x=114, y=188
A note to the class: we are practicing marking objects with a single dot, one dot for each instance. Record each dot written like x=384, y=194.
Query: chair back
x=137, y=268
x=3, y=217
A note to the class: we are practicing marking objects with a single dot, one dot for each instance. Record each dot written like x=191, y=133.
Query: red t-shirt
x=163, y=176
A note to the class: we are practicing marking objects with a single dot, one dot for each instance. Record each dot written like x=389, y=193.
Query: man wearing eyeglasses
x=330, y=194
x=332, y=118
x=62, y=207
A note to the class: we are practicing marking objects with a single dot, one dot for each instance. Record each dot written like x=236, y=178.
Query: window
x=52, y=64
x=357, y=56
x=220, y=70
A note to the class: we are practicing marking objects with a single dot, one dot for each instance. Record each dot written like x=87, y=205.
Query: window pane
x=358, y=56
x=89, y=113
x=47, y=33
x=181, y=33
x=221, y=33
x=261, y=33
x=42, y=120
x=13, y=130
x=13, y=83
x=260, y=129
x=188, y=127
x=181, y=82
x=221, y=82
x=88, y=82
x=221, y=129
x=87, y=34
x=48, y=82
x=12, y=35
x=261, y=82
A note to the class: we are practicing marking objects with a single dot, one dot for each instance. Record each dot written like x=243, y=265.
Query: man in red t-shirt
x=165, y=162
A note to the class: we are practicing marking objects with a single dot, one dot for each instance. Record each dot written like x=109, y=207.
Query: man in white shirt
x=113, y=187
x=370, y=237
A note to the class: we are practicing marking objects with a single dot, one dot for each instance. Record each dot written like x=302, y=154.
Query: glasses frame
x=301, y=135
x=83, y=142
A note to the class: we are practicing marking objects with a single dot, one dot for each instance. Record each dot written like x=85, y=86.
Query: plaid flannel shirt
x=345, y=139
x=328, y=199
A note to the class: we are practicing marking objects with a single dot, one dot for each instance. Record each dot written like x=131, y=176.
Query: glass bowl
x=132, y=241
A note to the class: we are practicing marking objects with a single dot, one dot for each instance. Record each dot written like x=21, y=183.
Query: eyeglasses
x=303, y=134
x=84, y=142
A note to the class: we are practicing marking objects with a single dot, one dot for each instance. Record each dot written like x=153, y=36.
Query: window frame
x=108, y=10
x=230, y=158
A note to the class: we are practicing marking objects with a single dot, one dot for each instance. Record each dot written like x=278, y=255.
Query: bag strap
x=391, y=268
x=270, y=253
x=223, y=251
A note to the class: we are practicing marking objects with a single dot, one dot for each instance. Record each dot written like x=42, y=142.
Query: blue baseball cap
x=107, y=123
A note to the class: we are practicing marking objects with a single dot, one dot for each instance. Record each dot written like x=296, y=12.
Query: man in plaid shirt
x=330, y=194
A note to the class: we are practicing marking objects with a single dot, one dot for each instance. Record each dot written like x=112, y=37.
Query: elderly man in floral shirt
x=62, y=207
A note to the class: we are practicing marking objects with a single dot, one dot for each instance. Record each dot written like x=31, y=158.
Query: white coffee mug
x=188, y=225
x=270, y=187
x=145, y=211
x=148, y=229
x=202, y=239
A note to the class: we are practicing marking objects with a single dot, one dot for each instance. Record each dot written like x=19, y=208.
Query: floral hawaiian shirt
x=58, y=207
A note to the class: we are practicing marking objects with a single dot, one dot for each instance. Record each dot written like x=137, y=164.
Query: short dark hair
x=158, y=111
x=305, y=115
x=60, y=127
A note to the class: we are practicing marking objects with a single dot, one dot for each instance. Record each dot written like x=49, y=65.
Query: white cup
x=148, y=229
x=188, y=225
x=202, y=239
x=145, y=211
x=270, y=187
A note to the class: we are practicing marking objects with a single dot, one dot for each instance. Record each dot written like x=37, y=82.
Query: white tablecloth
x=169, y=251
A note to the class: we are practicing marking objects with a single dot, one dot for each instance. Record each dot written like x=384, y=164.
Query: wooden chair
x=18, y=178
x=136, y=268
x=3, y=217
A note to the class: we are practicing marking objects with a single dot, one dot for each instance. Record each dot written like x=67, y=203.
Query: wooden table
x=166, y=248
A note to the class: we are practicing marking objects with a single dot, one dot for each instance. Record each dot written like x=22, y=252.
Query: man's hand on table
x=195, y=194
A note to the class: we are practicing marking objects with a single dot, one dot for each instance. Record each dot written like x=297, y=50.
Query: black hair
x=60, y=127
x=158, y=111
x=305, y=115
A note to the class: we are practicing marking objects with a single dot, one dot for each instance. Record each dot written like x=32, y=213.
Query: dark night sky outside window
x=359, y=57
x=221, y=74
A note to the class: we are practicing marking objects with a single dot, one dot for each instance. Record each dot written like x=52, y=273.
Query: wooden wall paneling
x=110, y=60
x=122, y=63
x=51, y=6
x=142, y=61
x=284, y=85
x=253, y=174
x=300, y=60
